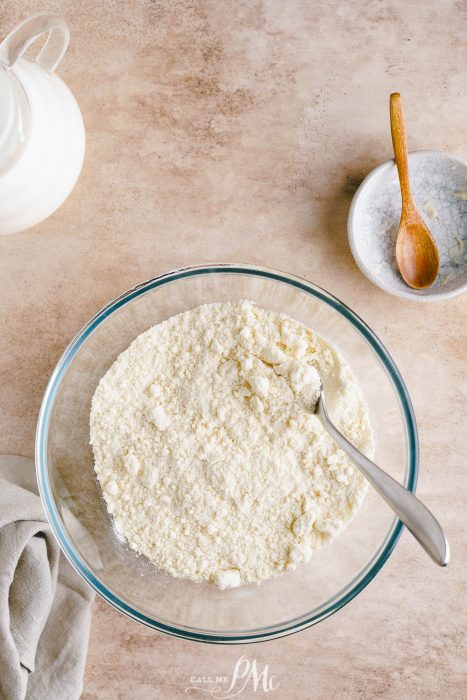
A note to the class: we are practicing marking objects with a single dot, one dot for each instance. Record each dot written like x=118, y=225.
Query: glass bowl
x=76, y=511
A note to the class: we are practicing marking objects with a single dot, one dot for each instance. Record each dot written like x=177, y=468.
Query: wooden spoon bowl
x=416, y=252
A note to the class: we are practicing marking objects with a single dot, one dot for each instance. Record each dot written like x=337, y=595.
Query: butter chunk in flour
x=210, y=459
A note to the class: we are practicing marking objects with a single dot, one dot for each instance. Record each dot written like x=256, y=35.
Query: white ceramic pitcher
x=41, y=129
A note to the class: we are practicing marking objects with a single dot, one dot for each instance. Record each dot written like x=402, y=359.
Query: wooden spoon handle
x=399, y=144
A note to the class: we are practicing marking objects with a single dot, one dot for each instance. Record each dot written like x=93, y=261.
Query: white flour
x=210, y=460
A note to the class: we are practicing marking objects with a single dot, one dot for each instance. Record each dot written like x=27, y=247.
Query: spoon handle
x=415, y=516
x=399, y=144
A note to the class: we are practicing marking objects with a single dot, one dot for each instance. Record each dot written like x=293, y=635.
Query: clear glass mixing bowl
x=76, y=510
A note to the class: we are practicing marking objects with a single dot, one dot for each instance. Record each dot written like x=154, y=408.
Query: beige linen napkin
x=44, y=604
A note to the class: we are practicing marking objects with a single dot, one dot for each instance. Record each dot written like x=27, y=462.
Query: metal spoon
x=415, y=516
x=416, y=252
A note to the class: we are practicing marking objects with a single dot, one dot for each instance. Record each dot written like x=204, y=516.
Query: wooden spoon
x=416, y=252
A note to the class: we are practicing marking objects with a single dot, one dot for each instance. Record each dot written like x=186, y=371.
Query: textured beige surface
x=238, y=131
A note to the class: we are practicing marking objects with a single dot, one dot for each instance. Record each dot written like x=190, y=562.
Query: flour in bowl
x=207, y=450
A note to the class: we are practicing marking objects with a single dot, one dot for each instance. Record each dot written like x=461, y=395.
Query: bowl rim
x=352, y=238
x=352, y=588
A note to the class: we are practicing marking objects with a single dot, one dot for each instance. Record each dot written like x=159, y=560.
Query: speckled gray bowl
x=439, y=184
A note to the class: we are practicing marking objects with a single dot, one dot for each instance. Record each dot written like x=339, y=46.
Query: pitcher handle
x=20, y=39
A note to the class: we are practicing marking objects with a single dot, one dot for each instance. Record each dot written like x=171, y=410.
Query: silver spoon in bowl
x=415, y=516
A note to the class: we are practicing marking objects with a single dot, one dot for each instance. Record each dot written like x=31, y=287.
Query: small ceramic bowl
x=439, y=184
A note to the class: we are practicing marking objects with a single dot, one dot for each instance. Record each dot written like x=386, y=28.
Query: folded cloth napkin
x=44, y=605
